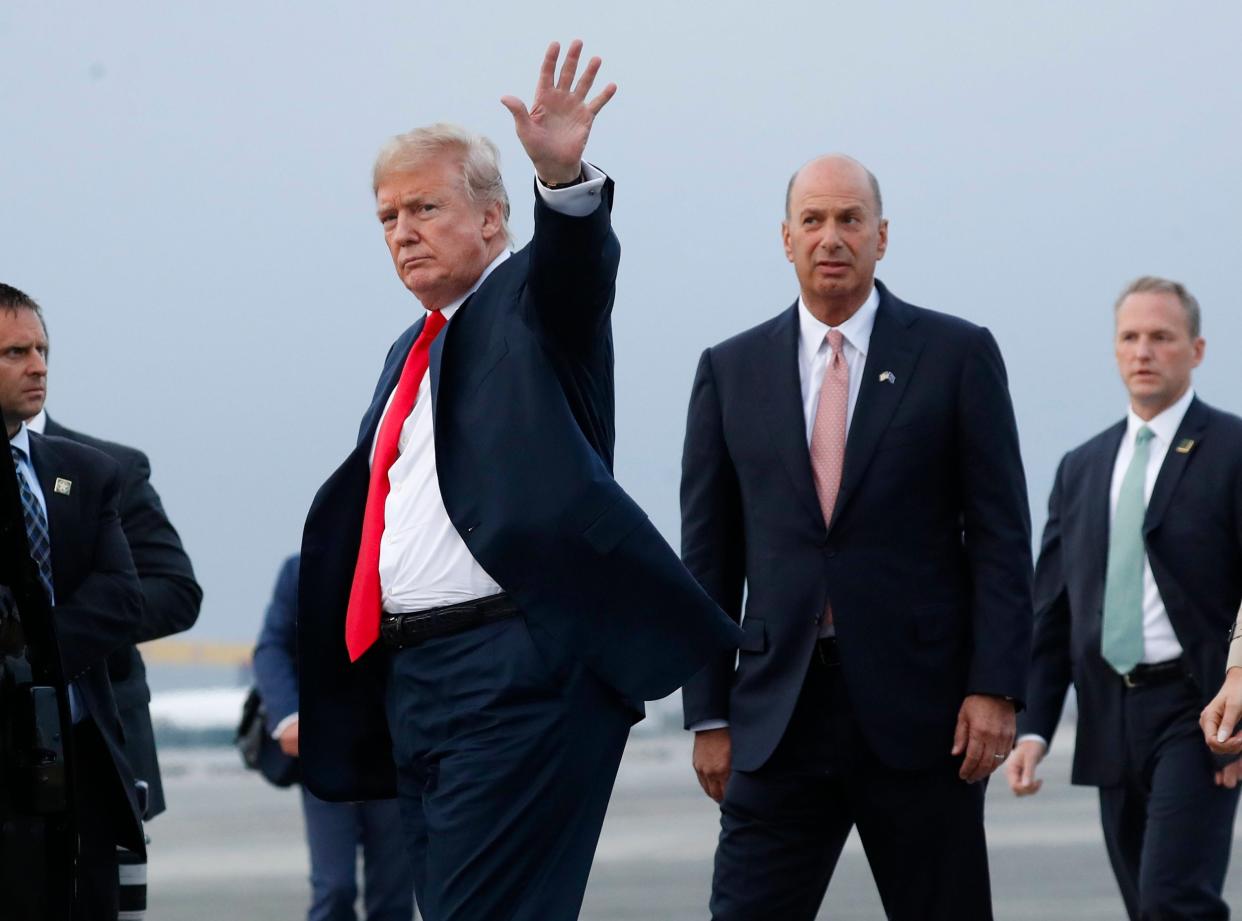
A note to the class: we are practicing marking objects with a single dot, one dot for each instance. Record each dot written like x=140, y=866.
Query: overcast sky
x=185, y=188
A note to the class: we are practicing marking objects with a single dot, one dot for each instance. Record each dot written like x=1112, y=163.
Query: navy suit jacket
x=1193, y=535
x=275, y=654
x=98, y=604
x=171, y=598
x=522, y=396
x=927, y=559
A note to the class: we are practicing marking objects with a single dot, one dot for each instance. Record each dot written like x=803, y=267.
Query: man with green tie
x=1138, y=580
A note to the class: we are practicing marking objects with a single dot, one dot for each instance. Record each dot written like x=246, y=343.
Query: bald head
x=840, y=168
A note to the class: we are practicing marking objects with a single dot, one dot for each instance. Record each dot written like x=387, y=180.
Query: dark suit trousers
x=783, y=826
x=1168, y=827
x=97, y=886
x=504, y=771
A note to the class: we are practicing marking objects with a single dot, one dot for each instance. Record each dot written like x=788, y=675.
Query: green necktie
x=1122, y=642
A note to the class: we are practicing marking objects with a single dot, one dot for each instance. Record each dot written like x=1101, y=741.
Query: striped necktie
x=36, y=526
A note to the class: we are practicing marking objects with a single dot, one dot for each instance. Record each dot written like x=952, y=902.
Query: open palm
x=555, y=129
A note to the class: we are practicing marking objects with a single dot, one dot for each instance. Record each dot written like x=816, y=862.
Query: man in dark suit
x=852, y=465
x=1138, y=580
x=523, y=603
x=70, y=493
x=335, y=832
x=171, y=596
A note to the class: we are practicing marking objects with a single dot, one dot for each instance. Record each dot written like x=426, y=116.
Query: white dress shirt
x=423, y=561
x=1160, y=643
x=813, y=354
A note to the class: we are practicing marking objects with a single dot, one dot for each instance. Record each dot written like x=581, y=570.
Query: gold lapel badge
x=63, y=487
x=1185, y=445
x=888, y=377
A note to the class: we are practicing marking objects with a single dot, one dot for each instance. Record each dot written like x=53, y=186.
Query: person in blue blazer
x=482, y=608
x=851, y=470
x=1138, y=581
x=334, y=831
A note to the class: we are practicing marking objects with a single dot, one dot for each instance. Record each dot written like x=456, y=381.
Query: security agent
x=70, y=498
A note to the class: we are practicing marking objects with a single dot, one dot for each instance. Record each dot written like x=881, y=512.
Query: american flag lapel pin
x=888, y=377
x=62, y=487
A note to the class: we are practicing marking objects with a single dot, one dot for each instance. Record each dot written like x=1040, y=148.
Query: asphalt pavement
x=231, y=847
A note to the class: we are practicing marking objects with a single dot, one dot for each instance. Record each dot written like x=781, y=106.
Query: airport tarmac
x=231, y=847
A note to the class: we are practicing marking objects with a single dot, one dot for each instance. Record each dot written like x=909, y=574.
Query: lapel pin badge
x=63, y=487
x=888, y=377
x=1185, y=445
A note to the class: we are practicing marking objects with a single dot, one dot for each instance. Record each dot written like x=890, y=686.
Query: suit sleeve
x=713, y=544
x=573, y=273
x=1051, y=670
x=171, y=596
x=104, y=612
x=996, y=526
x=275, y=654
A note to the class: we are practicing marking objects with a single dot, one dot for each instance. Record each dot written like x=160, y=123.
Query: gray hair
x=1157, y=285
x=480, y=162
x=875, y=184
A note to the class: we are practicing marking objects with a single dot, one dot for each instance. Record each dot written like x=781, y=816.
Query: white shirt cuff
x=575, y=200
x=704, y=725
x=1033, y=736
x=284, y=724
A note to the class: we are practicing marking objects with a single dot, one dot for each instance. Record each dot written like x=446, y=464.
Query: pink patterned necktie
x=828, y=434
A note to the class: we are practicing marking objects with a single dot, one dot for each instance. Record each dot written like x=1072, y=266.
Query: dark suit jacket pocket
x=934, y=622
x=613, y=525
x=920, y=430
x=754, y=636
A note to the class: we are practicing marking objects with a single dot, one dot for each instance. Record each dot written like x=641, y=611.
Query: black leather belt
x=400, y=630
x=1144, y=675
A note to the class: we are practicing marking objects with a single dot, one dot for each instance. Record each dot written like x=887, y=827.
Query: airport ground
x=231, y=847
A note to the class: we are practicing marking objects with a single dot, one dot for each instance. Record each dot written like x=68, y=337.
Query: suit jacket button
x=830, y=551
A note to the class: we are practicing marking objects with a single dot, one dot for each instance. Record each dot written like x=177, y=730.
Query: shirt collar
x=21, y=441
x=38, y=423
x=856, y=330
x=1164, y=424
x=447, y=312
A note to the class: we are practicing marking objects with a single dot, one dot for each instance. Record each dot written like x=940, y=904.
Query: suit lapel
x=777, y=380
x=387, y=382
x=894, y=348
x=1191, y=429
x=1096, y=493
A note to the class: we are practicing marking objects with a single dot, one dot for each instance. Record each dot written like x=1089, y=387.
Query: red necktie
x=363, y=615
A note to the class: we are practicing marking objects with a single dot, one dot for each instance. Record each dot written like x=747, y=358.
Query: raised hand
x=555, y=129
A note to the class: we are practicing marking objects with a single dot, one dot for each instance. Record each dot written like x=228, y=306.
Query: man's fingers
x=972, y=761
x=960, y=734
x=570, y=67
x=588, y=77
x=1228, y=722
x=602, y=99
x=547, y=70
x=517, y=109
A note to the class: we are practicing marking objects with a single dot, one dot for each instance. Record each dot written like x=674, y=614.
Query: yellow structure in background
x=195, y=652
